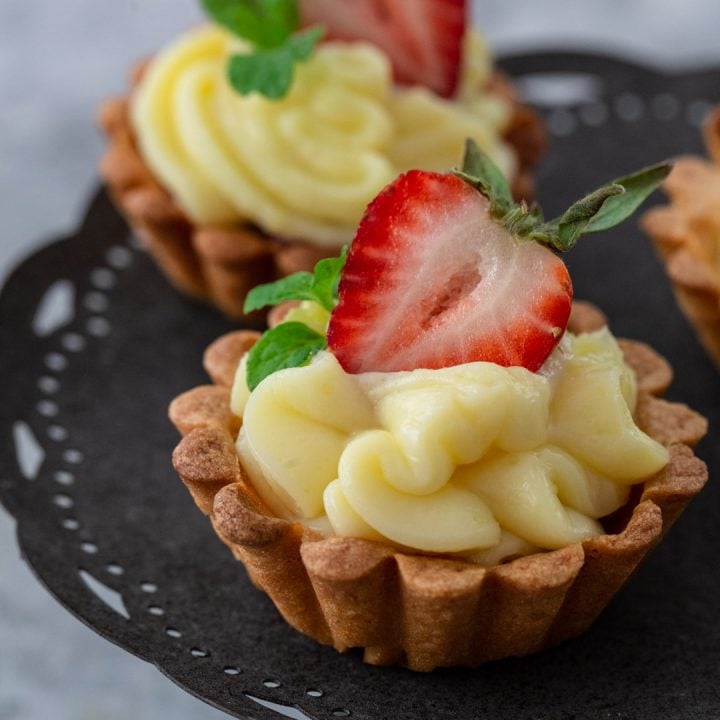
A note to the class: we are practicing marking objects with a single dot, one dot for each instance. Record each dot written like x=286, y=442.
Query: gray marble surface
x=57, y=61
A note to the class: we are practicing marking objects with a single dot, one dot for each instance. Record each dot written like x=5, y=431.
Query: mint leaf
x=294, y=287
x=301, y=45
x=265, y=23
x=320, y=286
x=638, y=186
x=237, y=17
x=269, y=25
x=484, y=175
x=270, y=71
x=326, y=276
x=287, y=345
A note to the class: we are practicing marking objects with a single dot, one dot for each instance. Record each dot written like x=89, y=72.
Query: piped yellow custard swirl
x=476, y=459
x=303, y=167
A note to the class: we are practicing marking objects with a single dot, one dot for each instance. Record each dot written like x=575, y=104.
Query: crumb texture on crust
x=426, y=612
x=686, y=234
x=222, y=263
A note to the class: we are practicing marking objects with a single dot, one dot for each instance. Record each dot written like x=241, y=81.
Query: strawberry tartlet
x=686, y=234
x=249, y=148
x=431, y=455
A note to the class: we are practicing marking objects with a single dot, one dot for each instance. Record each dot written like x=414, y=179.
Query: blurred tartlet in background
x=230, y=190
x=686, y=234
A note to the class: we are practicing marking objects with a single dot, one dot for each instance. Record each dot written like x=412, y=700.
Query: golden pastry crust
x=686, y=234
x=221, y=263
x=419, y=611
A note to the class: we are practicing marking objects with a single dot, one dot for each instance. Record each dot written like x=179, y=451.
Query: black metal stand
x=109, y=529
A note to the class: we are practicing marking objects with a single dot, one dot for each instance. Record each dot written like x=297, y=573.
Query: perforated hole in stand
x=63, y=501
x=697, y=111
x=57, y=433
x=98, y=327
x=63, y=477
x=73, y=342
x=56, y=361
x=48, y=384
x=47, y=408
x=73, y=456
x=96, y=302
x=119, y=257
x=103, y=278
x=594, y=114
x=629, y=107
x=665, y=106
x=561, y=122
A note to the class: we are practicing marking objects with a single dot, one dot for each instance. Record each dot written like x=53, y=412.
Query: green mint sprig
x=292, y=344
x=320, y=286
x=600, y=210
x=271, y=26
x=288, y=345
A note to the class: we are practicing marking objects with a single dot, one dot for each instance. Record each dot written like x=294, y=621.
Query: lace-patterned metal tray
x=94, y=344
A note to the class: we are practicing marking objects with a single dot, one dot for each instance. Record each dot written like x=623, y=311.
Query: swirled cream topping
x=475, y=459
x=303, y=167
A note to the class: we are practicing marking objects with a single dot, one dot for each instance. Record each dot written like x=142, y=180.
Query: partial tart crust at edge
x=419, y=611
x=684, y=231
x=221, y=263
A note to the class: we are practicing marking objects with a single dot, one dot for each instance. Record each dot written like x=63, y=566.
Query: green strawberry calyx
x=600, y=210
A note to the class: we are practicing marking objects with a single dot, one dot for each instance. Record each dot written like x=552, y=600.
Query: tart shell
x=221, y=263
x=419, y=611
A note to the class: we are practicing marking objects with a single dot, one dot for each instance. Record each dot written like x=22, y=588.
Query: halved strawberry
x=433, y=280
x=422, y=38
x=445, y=269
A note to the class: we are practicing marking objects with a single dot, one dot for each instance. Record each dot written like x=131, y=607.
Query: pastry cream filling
x=306, y=166
x=476, y=459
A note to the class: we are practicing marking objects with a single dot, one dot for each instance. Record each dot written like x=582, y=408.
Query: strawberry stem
x=600, y=210
x=483, y=174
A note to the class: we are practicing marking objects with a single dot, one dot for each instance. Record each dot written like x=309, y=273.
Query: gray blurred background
x=58, y=60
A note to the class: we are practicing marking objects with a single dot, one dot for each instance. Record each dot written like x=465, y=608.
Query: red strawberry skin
x=432, y=280
x=422, y=38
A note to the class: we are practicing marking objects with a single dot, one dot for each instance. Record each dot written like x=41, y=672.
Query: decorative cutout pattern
x=560, y=88
x=28, y=451
x=110, y=597
x=282, y=710
x=564, y=118
x=56, y=308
